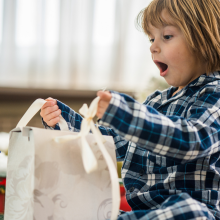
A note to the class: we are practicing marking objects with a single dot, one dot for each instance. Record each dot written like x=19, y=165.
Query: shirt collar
x=204, y=79
x=201, y=80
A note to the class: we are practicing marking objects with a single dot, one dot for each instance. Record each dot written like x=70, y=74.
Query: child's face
x=170, y=52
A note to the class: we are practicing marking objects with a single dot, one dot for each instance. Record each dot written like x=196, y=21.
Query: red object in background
x=2, y=194
x=2, y=203
x=2, y=181
x=124, y=204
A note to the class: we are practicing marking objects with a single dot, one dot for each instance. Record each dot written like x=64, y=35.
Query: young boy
x=170, y=144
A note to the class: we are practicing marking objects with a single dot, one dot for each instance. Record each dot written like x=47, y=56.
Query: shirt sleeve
x=74, y=120
x=182, y=139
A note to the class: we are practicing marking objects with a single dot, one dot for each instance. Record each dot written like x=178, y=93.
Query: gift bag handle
x=32, y=111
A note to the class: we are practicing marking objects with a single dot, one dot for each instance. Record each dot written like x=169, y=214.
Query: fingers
x=50, y=102
x=103, y=104
x=50, y=112
x=104, y=95
x=51, y=99
x=53, y=118
x=100, y=113
x=105, y=98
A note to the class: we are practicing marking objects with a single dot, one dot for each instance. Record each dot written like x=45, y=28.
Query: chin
x=169, y=82
x=172, y=82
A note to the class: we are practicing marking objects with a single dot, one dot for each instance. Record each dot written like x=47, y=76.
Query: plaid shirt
x=170, y=145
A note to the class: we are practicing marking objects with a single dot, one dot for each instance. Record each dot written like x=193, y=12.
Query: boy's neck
x=176, y=92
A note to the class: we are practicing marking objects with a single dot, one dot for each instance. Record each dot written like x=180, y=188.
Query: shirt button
x=131, y=189
x=142, y=171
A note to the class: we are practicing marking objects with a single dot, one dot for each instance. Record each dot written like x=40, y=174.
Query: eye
x=167, y=37
x=151, y=40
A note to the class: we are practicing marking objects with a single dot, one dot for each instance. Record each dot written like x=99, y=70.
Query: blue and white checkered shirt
x=170, y=145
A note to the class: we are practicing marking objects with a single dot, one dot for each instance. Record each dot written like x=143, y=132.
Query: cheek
x=178, y=58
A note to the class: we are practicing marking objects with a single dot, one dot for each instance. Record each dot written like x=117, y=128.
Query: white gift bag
x=61, y=175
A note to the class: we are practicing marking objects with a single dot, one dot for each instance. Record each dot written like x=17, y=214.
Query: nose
x=155, y=48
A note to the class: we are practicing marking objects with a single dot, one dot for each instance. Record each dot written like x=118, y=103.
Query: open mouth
x=162, y=66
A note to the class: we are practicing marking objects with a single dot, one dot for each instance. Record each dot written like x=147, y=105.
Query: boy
x=170, y=143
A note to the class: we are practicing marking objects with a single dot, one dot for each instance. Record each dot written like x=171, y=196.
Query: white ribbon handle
x=89, y=160
x=31, y=112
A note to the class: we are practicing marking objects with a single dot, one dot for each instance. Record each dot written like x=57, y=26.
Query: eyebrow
x=165, y=25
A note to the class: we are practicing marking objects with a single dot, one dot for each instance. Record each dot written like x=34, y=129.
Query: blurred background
x=69, y=49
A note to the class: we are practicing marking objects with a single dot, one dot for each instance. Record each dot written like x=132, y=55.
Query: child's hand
x=105, y=98
x=50, y=112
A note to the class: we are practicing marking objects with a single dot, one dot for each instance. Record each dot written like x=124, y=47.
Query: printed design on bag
x=104, y=210
x=46, y=205
x=72, y=165
x=54, y=181
x=45, y=170
x=19, y=185
x=101, y=174
x=19, y=193
x=47, y=178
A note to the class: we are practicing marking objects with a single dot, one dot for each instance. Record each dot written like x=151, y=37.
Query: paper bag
x=61, y=175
